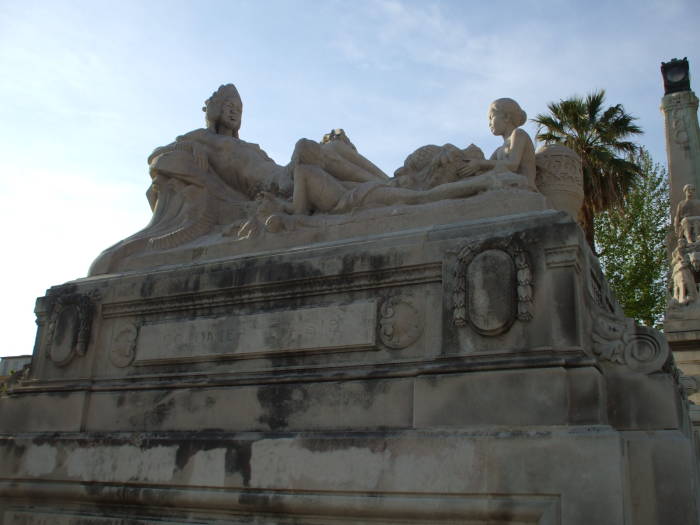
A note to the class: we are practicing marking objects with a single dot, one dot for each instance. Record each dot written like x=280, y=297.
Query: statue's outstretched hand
x=472, y=167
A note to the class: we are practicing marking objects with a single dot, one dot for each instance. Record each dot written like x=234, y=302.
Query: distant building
x=11, y=364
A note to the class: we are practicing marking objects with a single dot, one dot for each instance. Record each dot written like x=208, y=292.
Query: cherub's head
x=689, y=191
x=224, y=110
x=505, y=113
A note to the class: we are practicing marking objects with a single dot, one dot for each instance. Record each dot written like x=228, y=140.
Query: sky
x=90, y=88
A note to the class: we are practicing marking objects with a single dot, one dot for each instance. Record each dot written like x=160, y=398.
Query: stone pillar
x=682, y=323
x=682, y=142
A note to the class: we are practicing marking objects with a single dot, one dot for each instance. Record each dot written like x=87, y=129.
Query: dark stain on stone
x=185, y=451
x=379, y=262
x=315, y=444
x=565, y=307
x=279, y=402
x=186, y=448
x=187, y=283
x=198, y=252
x=67, y=319
x=162, y=395
x=17, y=450
x=61, y=394
x=348, y=264
x=254, y=499
x=156, y=416
x=367, y=261
x=93, y=489
x=256, y=271
x=373, y=389
x=222, y=277
x=147, y=286
x=121, y=399
x=61, y=291
x=237, y=459
x=286, y=271
x=46, y=439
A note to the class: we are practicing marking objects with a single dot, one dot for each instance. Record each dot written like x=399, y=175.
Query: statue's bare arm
x=510, y=162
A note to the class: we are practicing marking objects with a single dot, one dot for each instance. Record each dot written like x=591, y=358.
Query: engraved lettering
x=309, y=329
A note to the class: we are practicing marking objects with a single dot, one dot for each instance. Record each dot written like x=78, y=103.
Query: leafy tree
x=599, y=136
x=631, y=243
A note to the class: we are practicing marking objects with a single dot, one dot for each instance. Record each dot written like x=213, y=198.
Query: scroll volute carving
x=69, y=327
x=619, y=340
x=493, y=287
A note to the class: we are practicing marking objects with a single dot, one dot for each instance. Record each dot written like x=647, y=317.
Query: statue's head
x=505, y=110
x=689, y=191
x=223, y=110
x=337, y=134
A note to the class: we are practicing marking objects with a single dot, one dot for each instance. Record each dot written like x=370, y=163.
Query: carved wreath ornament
x=493, y=286
x=69, y=327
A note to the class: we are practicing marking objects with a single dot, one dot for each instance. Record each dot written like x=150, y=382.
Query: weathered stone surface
x=481, y=476
x=528, y=396
x=58, y=411
x=368, y=380
x=304, y=329
x=347, y=405
x=654, y=458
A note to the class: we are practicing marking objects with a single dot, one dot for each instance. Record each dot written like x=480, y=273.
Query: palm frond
x=600, y=136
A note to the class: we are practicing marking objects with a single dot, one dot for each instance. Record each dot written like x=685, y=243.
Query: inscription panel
x=351, y=326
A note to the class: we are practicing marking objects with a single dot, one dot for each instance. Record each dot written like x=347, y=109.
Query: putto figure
x=687, y=219
x=515, y=155
x=511, y=165
x=684, y=287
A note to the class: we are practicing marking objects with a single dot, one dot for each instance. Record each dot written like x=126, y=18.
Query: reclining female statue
x=244, y=166
x=210, y=177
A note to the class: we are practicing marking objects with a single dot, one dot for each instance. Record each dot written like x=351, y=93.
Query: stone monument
x=682, y=323
x=321, y=343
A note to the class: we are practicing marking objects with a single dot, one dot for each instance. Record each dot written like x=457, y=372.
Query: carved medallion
x=491, y=298
x=123, y=349
x=493, y=286
x=69, y=327
x=400, y=323
x=646, y=350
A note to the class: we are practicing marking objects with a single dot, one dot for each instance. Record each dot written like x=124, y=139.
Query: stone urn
x=560, y=178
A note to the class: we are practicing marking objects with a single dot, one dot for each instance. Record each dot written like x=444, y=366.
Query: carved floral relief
x=69, y=327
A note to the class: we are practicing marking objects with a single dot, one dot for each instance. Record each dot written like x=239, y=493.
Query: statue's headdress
x=213, y=105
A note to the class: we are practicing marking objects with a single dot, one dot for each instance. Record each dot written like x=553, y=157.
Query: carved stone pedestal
x=473, y=372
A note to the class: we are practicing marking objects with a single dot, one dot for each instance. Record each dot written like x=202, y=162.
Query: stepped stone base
x=478, y=372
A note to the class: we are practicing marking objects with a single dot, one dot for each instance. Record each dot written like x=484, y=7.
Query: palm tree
x=599, y=136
